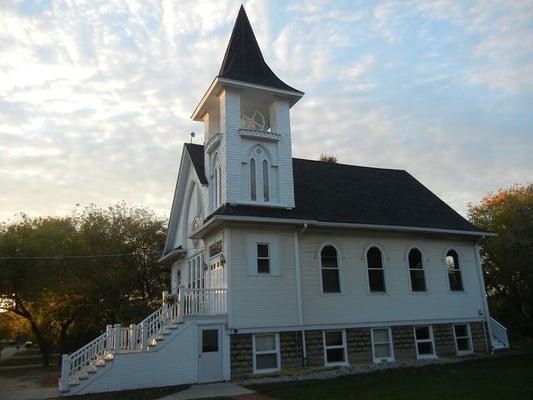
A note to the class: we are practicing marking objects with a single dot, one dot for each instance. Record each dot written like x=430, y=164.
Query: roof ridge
x=349, y=165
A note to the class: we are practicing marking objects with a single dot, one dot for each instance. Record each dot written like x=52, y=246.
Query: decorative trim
x=213, y=142
x=260, y=135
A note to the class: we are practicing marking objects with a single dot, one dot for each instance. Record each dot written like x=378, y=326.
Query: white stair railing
x=499, y=332
x=138, y=337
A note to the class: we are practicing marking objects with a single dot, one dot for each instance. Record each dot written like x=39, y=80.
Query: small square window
x=334, y=348
x=263, y=258
x=209, y=340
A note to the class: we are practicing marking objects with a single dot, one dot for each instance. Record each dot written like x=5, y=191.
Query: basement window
x=382, y=345
x=266, y=353
x=463, y=339
x=334, y=348
x=425, y=345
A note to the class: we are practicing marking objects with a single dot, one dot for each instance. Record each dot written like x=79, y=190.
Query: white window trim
x=430, y=340
x=276, y=351
x=460, y=269
x=391, y=346
x=383, y=264
x=416, y=292
x=343, y=346
x=339, y=269
x=471, y=344
x=269, y=258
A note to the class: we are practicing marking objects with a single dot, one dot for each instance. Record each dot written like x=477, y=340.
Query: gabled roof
x=339, y=193
x=196, y=152
x=244, y=61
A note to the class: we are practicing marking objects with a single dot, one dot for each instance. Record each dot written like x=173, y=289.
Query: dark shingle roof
x=330, y=192
x=244, y=61
x=196, y=152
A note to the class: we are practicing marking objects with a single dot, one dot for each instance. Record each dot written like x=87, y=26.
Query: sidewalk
x=208, y=390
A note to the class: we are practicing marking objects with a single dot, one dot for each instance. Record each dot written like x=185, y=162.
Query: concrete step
x=109, y=357
x=91, y=369
x=73, y=381
x=83, y=375
x=100, y=363
x=159, y=338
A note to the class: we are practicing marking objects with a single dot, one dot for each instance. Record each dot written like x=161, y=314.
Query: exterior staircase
x=87, y=365
x=500, y=340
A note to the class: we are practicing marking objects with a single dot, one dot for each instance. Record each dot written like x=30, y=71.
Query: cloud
x=95, y=97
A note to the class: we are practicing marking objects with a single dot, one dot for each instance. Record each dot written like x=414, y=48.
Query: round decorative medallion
x=258, y=151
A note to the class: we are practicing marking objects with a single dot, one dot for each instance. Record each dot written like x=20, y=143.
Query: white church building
x=280, y=262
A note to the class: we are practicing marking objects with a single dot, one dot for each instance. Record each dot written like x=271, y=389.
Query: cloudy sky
x=96, y=95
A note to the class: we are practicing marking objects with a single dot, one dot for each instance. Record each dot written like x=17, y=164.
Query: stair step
x=166, y=332
x=159, y=338
x=74, y=382
x=91, y=369
x=99, y=363
x=83, y=375
x=109, y=357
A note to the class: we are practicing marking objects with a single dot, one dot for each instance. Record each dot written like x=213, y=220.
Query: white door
x=210, y=354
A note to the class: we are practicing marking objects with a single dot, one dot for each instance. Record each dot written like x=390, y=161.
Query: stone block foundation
x=358, y=346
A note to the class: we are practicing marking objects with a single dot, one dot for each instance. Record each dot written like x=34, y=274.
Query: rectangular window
x=263, y=258
x=266, y=352
x=209, y=340
x=463, y=339
x=425, y=345
x=382, y=345
x=334, y=348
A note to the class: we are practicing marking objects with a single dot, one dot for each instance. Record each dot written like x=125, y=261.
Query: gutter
x=298, y=280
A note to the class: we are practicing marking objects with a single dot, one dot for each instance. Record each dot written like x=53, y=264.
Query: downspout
x=484, y=296
x=299, y=289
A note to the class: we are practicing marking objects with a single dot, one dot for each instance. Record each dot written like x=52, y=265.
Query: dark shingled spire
x=243, y=60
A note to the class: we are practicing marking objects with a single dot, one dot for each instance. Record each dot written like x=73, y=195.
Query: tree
x=508, y=257
x=69, y=276
x=327, y=158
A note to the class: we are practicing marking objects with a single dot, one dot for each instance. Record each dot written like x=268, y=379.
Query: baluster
x=116, y=338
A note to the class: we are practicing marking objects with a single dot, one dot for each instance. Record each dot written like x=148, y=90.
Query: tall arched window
x=376, y=274
x=259, y=175
x=266, y=191
x=253, y=185
x=217, y=180
x=416, y=271
x=329, y=267
x=454, y=271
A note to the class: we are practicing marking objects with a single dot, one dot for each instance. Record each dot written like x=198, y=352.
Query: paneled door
x=210, y=354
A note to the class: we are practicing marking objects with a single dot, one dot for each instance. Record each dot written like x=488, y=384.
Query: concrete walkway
x=208, y=390
x=30, y=394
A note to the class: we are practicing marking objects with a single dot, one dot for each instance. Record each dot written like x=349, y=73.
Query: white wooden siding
x=262, y=300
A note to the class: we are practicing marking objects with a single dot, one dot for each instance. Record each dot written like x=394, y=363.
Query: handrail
x=137, y=337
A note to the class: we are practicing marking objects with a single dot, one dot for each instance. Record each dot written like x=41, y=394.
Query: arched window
x=253, y=186
x=329, y=266
x=259, y=175
x=217, y=181
x=454, y=271
x=416, y=271
x=266, y=191
x=376, y=274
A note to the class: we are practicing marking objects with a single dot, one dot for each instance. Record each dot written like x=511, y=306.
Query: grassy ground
x=142, y=394
x=503, y=377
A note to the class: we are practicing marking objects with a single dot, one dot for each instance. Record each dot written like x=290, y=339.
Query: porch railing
x=204, y=302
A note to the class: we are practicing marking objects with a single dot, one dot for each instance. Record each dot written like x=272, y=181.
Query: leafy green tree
x=508, y=257
x=327, y=158
x=70, y=276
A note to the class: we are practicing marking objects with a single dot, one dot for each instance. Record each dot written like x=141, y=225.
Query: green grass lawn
x=504, y=377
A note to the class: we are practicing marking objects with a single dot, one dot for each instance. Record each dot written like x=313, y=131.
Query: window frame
x=431, y=340
x=450, y=290
x=367, y=269
x=275, y=351
x=469, y=337
x=344, y=346
x=423, y=269
x=339, y=268
x=379, y=360
x=257, y=258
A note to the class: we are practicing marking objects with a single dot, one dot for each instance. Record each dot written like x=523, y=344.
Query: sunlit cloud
x=96, y=97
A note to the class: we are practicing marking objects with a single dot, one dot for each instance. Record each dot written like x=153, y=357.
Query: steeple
x=244, y=61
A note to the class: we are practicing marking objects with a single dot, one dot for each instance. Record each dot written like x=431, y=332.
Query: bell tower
x=246, y=115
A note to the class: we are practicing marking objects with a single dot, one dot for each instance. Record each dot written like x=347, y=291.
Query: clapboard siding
x=357, y=305
x=265, y=301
